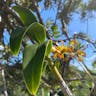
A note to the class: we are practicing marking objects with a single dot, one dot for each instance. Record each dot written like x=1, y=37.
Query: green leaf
x=16, y=39
x=49, y=48
x=36, y=31
x=33, y=58
x=26, y=16
x=94, y=64
x=54, y=27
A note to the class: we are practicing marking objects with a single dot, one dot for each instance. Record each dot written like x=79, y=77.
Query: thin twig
x=87, y=71
x=93, y=92
x=89, y=74
x=39, y=17
x=64, y=30
x=4, y=82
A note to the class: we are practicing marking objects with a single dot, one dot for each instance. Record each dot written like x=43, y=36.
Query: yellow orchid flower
x=80, y=52
x=59, y=51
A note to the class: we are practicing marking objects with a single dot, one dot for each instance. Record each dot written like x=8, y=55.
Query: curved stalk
x=64, y=87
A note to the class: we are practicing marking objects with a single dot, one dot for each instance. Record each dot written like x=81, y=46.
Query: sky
x=76, y=25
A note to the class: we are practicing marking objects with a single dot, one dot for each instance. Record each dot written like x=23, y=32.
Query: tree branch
x=93, y=91
x=4, y=81
x=39, y=16
x=65, y=89
x=64, y=30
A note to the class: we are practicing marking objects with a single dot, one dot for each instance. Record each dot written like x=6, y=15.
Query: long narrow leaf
x=36, y=31
x=16, y=39
x=26, y=16
x=32, y=66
